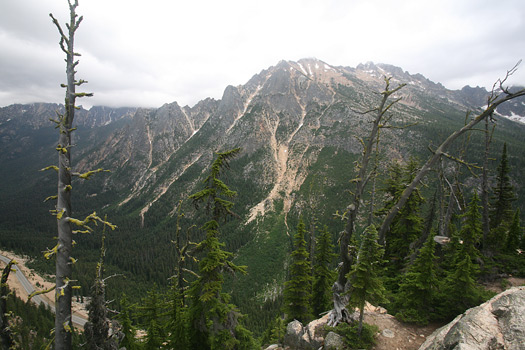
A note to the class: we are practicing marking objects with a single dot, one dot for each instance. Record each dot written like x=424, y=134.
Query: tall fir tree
x=97, y=329
x=419, y=287
x=177, y=326
x=501, y=212
x=460, y=290
x=298, y=288
x=151, y=313
x=365, y=274
x=128, y=330
x=515, y=234
x=471, y=230
x=215, y=323
x=408, y=223
x=323, y=275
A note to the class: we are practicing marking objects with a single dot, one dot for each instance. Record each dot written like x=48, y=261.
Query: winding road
x=28, y=287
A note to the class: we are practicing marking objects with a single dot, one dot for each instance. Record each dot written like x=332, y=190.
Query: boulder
x=495, y=324
x=294, y=335
x=306, y=337
x=333, y=341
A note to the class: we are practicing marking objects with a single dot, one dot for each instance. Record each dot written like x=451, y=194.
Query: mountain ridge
x=299, y=125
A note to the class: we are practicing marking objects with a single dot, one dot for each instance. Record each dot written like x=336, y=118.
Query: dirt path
x=395, y=335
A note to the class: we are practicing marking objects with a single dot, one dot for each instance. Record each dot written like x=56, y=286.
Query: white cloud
x=149, y=53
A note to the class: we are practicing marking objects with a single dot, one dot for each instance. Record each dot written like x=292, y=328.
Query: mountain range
x=299, y=125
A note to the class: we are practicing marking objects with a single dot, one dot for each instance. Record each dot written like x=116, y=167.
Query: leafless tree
x=347, y=252
x=500, y=94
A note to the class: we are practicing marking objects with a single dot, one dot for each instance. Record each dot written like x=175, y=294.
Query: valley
x=300, y=126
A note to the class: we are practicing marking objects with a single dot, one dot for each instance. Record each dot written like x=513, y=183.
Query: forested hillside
x=300, y=127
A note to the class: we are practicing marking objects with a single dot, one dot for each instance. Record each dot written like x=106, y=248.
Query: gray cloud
x=146, y=54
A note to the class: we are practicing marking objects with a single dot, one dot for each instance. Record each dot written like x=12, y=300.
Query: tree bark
x=431, y=162
x=340, y=287
x=63, y=321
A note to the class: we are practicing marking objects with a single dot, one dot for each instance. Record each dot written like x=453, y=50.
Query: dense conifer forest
x=178, y=279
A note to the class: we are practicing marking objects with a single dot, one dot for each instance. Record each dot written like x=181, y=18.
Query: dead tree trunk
x=493, y=102
x=340, y=287
x=63, y=321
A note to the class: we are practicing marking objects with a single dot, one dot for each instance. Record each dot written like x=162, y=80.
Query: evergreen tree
x=151, y=313
x=460, y=290
x=515, y=233
x=419, y=286
x=323, y=275
x=365, y=274
x=128, y=331
x=408, y=223
x=471, y=230
x=178, y=321
x=97, y=328
x=298, y=288
x=278, y=330
x=215, y=323
x=503, y=194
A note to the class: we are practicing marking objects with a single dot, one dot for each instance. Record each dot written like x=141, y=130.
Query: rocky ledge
x=496, y=324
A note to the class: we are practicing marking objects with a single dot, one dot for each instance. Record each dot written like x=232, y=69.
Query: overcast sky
x=147, y=53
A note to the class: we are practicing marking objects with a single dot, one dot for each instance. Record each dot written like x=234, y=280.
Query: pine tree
x=460, y=290
x=151, y=313
x=323, y=275
x=471, y=230
x=515, y=233
x=278, y=330
x=408, y=223
x=177, y=327
x=97, y=330
x=503, y=194
x=128, y=341
x=214, y=322
x=298, y=288
x=365, y=274
x=419, y=286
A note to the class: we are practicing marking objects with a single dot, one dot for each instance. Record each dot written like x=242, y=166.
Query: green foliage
x=471, y=230
x=460, y=290
x=503, y=194
x=351, y=337
x=274, y=333
x=215, y=323
x=515, y=234
x=128, y=341
x=323, y=275
x=418, y=290
x=365, y=279
x=408, y=223
x=178, y=324
x=298, y=288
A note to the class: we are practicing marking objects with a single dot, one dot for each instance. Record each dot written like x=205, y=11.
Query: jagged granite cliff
x=298, y=124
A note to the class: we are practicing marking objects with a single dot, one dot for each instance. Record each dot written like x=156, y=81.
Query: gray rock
x=273, y=347
x=496, y=324
x=388, y=333
x=333, y=341
x=294, y=335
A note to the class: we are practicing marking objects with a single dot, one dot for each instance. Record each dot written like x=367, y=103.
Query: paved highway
x=37, y=298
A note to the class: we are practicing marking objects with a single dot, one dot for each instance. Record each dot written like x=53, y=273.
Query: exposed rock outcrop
x=309, y=337
x=496, y=324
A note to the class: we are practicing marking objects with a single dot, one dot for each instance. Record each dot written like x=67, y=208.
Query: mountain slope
x=298, y=124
